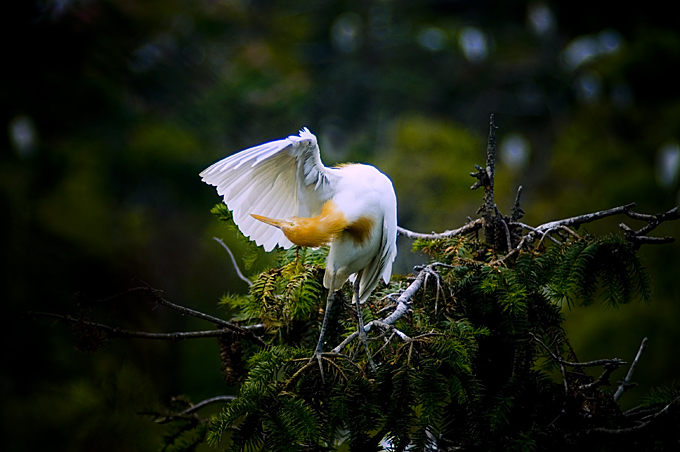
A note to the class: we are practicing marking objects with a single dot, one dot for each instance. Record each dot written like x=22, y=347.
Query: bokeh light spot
x=346, y=32
x=474, y=44
x=432, y=38
x=23, y=135
x=515, y=150
x=668, y=164
x=541, y=19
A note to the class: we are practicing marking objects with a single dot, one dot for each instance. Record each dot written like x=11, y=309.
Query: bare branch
x=393, y=329
x=600, y=362
x=517, y=211
x=603, y=379
x=485, y=178
x=233, y=261
x=506, y=229
x=156, y=296
x=403, y=304
x=473, y=226
x=587, y=218
x=115, y=332
x=625, y=384
x=638, y=237
x=640, y=426
x=193, y=408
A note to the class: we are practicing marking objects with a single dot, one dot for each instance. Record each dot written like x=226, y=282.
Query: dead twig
x=233, y=261
x=625, y=384
x=115, y=332
x=157, y=297
x=639, y=426
x=191, y=411
x=599, y=362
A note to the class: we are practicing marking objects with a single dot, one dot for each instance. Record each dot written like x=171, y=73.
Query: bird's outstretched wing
x=278, y=179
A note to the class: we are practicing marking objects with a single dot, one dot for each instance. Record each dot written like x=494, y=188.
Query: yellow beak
x=270, y=221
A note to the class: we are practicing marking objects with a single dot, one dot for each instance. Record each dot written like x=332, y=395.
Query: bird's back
x=367, y=198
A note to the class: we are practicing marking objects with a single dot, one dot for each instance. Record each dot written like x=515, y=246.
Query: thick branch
x=489, y=203
x=587, y=218
x=485, y=178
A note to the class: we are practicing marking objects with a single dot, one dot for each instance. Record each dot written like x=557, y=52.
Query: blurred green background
x=111, y=109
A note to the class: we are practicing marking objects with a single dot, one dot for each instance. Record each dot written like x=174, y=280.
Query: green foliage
x=185, y=435
x=576, y=269
x=468, y=374
x=663, y=396
x=252, y=253
x=284, y=298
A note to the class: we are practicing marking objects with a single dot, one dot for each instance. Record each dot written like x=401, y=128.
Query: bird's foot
x=318, y=356
x=364, y=340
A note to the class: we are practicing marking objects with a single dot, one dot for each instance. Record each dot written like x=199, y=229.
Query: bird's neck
x=319, y=230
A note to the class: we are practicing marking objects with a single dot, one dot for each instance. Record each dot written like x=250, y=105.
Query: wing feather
x=279, y=179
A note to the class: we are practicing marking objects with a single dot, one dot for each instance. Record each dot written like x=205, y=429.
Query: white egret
x=281, y=194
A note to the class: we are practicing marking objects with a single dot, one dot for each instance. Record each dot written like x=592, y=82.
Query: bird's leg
x=319, y=345
x=362, y=331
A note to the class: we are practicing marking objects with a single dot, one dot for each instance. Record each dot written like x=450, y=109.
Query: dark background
x=112, y=108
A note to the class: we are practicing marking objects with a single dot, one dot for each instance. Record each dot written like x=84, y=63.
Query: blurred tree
x=112, y=107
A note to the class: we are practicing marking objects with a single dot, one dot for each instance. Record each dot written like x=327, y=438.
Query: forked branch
x=402, y=307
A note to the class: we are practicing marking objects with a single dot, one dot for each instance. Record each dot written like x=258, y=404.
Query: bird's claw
x=318, y=356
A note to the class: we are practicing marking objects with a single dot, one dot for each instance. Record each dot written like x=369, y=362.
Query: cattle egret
x=281, y=194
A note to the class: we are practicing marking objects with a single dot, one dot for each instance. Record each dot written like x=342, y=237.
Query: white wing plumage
x=278, y=179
